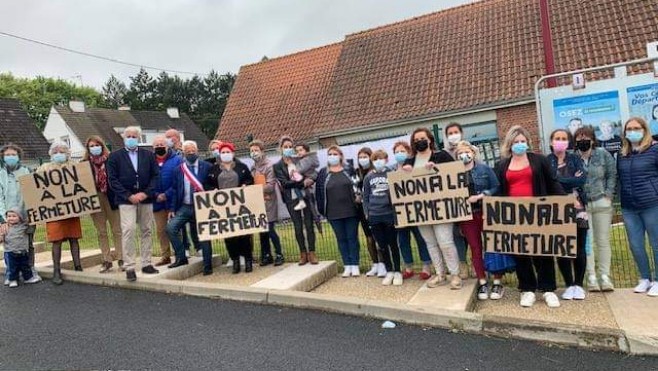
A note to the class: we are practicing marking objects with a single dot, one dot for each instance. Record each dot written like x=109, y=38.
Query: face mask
x=288, y=152
x=584, y=145
x=170, y=143
x=95, y=150
x=226, y=157
x=215, y=153
x=364, y=162
x=634, y=136
x=256, y=156
x=560, y=146
x=160, y=151
x=466, y=158
x=333, y=160
x=454, y=138
x=11, y=160
x=421, y=145
x=59, y=158
x=191, y=158
x=379, y=164
x=519, y=148
x=131, y=143
x=401, y=157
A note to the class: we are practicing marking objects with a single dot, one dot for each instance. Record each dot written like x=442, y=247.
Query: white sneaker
x=568, y=293
x=593, y=283
x=187, y=253
x=301, y=205
x=642, y=286
x=551, y=300
x=347, y=272
x=373, y=271
x=579, y=293
x=13, y=284
x=34, y=279
x=242, y=261
x=397, y=279
x=653, y=291
x=6, y=282
x=36, y=274
x=355, y=271
x=381, y=270
x=229, y=263
x=388, y=280
x=606, y=283
x=528, y=298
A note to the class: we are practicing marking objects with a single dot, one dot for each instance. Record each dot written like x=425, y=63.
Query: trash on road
x=388, y=324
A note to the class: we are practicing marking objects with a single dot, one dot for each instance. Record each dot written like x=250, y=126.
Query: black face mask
x=421, y=145
x=191, y=158
x=584, y=145
x=160, y=151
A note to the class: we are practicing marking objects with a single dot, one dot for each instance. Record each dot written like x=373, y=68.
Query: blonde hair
x=379, y=154
x=512, y=133
x=337, y=149
x=213, y=143
x=463, y=144
x=645, y=143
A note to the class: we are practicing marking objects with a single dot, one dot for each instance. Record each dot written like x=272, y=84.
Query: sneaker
x=483, y=292
x=347, y=272
x=528, y=298
x=642, y=286
x=355, y=271
x=279, y=260
x=455, y=282
x=106, y=267
x=397, y=279
x=266, y=260
x=551, y=300
x=579, y=293
x=593, y=283
x=606, y=283
x=381, y=270
x=408, y=274
x=653, y=291
x=388, y=280
x=301, y=205
x=436, y=280
x=34, y=279
x=568, y=293
x=373, y=271
x=497, y=292
x=463, y=270
x=6, y=282
x=131, y=276
x=150, y=270
x=36, y=274
x=13, y=284
x=229, y=263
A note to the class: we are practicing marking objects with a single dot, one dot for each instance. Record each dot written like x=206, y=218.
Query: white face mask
x=226, y=157
x=454, y=138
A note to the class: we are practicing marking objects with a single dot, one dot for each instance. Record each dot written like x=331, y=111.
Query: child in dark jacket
x=16, y=240
x=381, y=217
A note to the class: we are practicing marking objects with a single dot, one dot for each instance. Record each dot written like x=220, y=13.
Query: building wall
x=57, y=130
x=525, y=115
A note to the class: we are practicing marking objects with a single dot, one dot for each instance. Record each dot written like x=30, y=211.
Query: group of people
x=137, y=186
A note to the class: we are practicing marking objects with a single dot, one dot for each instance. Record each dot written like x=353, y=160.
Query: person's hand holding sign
x=429, y=165
x=407, y=168
x=475, y=198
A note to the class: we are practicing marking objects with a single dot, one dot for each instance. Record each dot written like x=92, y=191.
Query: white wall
x=57, y=130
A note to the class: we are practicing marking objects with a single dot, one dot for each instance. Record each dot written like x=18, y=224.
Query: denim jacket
x=601, y=175
x=485, y=182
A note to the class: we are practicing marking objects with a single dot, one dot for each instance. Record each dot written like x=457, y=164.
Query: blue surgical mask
x=95, y=150
x=379, y=164
x=170, y=143
x=131, y=143
x=216, y=153
x=364, y=162
x=634, y=136
x=519, y=148
x=333, y=160
x=226, y=157
x=11, y=160
x=58, y=158
x=288, y=152
x=401, y=157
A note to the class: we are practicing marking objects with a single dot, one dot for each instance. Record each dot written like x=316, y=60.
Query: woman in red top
x=524, y=174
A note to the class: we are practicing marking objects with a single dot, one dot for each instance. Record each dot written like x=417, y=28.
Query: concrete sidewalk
x=619, y=321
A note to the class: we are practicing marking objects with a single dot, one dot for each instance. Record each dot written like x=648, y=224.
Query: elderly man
x=188, y=178
x=133, y=175
x=174, y=140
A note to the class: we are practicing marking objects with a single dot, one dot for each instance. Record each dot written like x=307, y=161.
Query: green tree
x=141, y=94
x=114, y=92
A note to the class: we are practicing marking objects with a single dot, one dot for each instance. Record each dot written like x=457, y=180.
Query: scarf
x=98, y=163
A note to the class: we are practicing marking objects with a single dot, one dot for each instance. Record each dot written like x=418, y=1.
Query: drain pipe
x=547, y=41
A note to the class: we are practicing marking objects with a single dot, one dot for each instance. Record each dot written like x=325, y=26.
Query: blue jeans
x=638, y=223
x=346, y=231
x=7, y=265
x=183, y=216
x=404, y=237
x=19, y=263
x=265, y=237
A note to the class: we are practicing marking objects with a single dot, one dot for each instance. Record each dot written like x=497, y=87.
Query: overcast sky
x=186, y=35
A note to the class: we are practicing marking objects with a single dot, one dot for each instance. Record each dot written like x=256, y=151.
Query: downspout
x=547, y=41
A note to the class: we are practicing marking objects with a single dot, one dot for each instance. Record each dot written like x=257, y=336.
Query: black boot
x=57, y=277
x=236, y=266
x=78, y=268
x=248, y=265
x=266, y=260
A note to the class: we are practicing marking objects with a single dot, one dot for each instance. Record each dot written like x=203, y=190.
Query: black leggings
x=573, y=270
x=239, y=246
x=542, y=280
x=301, y=220
x=387, y=241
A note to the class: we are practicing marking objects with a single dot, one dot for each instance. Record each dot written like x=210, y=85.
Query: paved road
x=89, y=327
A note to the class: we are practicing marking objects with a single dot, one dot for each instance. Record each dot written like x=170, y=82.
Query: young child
x=15, y=237
x=306, y=164
x=381, y=217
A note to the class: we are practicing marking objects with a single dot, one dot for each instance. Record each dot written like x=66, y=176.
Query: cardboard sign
x=428, y=197
x=60, y=192
x=540, y=226
x=230, y=212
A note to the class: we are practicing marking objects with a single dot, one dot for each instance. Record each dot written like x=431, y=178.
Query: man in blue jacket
x=188, y=178
x=133, y=175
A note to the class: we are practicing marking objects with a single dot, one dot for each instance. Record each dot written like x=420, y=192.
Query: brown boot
x=312, y=258
x=163, y=261
x=303, y=258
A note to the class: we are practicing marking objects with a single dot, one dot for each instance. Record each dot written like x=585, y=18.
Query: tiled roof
x=280, y=96
x=18, y=128
x=477, y=55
